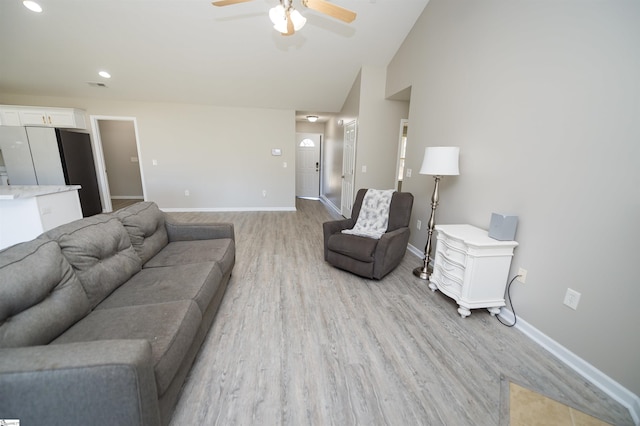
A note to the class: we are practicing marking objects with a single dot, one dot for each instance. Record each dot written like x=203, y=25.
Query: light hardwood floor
x=298, y=342
x=120, y=203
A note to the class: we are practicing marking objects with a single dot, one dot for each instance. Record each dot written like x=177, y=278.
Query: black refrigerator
x=48, y=156
x=78, y=167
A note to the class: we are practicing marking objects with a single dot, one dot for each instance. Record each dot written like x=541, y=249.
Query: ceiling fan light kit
x=287, y=20
x=281, y=16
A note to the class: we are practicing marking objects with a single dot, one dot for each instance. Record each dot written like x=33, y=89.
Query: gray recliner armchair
x=368, y=257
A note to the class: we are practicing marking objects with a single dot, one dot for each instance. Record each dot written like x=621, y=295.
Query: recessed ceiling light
x=104, y=74
x=32, y=6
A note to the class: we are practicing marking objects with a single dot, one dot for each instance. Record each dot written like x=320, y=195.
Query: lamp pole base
x=421, y=273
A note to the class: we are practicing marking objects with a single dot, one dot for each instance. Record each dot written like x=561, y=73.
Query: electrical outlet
x=571, y=298
x=186, y=193
x=364, y=169
x=264, y=192
x=419, y=224
x=522, y=275
x=408, y=172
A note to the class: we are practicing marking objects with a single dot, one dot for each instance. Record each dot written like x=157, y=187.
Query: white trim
x=228, y=209
x=416, y=251
x=101, y=168
x=127, y=197
x=403, y=122
x=329, y=204
x=605, y=383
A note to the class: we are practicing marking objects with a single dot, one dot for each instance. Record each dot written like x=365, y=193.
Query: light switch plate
x=276, y=151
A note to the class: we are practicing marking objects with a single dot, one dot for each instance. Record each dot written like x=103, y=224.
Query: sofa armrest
x=184, y=231
x=90, y=383
x=332, y=227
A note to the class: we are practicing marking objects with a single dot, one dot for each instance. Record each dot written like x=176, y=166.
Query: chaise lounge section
x=102, y=318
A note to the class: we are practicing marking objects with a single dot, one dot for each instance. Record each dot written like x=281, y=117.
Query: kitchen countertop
x=11, y=192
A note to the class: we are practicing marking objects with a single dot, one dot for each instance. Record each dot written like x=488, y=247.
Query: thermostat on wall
x=276, y=151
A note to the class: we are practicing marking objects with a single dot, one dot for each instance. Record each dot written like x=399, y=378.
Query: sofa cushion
x=188, y=252
x=170, y=328
x=99, y=249
x=197, y=282
x=145, y=224
x=40, y=296
x=354, y=246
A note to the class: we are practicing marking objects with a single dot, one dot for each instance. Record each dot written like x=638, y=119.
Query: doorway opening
x=117, y=148
x=402, y=152
x=348, y=168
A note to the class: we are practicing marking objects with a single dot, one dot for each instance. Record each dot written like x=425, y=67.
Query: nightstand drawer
x=451, y=242
x=447, y=282
x=452, y=269
x=452, y=253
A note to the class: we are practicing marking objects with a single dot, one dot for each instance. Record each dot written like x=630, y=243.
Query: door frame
x=101, y=169
x=320, y=144
x=353, y=123
x=403, y=122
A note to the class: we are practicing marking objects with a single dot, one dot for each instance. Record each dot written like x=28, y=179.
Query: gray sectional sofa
x=101, y=318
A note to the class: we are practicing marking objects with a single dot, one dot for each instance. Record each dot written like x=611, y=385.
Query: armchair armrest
x=390, y=251
x=332, y=227
x=97, y=383
x=183, y=231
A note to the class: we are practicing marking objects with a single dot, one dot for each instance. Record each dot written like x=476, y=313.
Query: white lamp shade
x=298, y=20
x=440, y=161
x=279, y=18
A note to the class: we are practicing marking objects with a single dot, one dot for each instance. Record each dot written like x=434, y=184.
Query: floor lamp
x=438, y=161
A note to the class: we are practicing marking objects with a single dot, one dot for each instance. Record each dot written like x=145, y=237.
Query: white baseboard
x=609, y=386
x=416, y=251
x=228, y=209
x=605, y=383
x=329, y=204
x=127, y=197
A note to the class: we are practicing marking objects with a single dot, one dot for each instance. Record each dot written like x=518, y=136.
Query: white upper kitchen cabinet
x=64, y=118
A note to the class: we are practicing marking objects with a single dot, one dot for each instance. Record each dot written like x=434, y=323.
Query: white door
x=348, y=167
x=308, y=165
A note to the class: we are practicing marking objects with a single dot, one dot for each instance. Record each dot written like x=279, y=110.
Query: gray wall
x=119, y=147
x=210, y=151
x=334, y=138
x=378, y=132
x=378, y=126
x=332, y=158
x=542, y=98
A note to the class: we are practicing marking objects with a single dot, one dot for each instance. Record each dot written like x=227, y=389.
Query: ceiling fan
x=287, y=20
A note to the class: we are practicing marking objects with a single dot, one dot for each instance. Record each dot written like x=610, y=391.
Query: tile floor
x=528, y=408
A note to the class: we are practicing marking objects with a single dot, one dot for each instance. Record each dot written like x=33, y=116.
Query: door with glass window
x=308, y=165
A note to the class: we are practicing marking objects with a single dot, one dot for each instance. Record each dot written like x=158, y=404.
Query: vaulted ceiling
x=192, y=52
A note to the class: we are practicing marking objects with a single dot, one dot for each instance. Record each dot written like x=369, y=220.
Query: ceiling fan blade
x=228, y=2
x=290, y=29
x=330, y=9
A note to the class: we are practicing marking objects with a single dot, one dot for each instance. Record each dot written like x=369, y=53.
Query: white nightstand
x=471, y=268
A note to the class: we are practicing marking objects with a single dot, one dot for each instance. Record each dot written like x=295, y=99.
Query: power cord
x=515, y=318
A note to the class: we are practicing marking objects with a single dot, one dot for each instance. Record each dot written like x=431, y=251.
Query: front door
x=308, y=165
